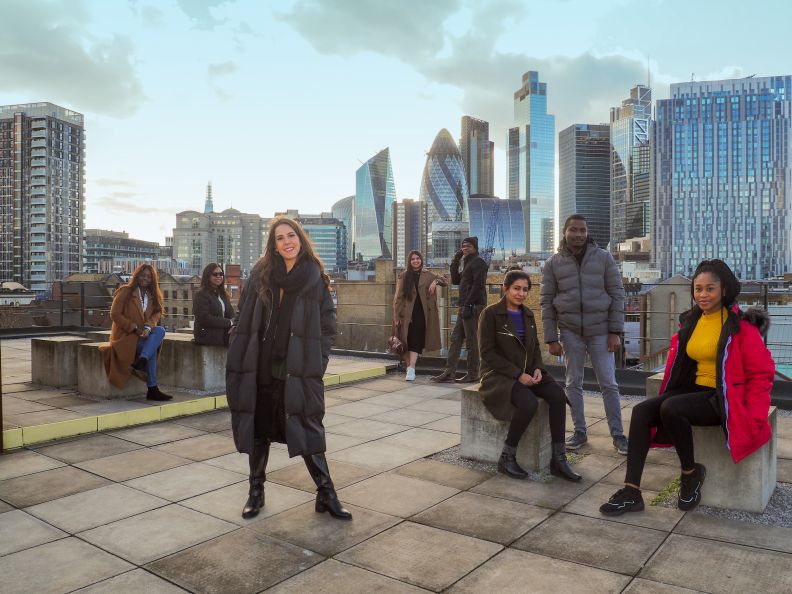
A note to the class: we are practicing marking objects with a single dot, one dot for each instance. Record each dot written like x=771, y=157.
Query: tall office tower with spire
x=531, y=162
x=374, y=197
x=630, y=176
x=208, y=205
x=478, y=156
x=42, y=199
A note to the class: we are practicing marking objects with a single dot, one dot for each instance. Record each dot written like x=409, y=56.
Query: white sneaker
x=410, y=374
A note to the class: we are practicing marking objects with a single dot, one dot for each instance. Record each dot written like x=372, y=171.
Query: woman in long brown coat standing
x=415, y=308
x=135, y=336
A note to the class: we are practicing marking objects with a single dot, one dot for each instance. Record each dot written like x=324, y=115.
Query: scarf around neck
x=276, y=340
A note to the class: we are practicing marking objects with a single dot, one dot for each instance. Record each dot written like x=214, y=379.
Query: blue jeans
x=147, y=348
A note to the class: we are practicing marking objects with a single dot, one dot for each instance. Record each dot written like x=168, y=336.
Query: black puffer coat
x=313, y=328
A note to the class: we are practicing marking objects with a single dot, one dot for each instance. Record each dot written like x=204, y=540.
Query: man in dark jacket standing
x=583, y=296
x=472, y=280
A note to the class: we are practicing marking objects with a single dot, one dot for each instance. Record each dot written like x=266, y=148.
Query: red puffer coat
x=744, y=376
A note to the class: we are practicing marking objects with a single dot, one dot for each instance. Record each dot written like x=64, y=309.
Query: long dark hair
x=153, y=289
x=408, y=279
x=263, y=267
x=729, y=284
x=206, y=279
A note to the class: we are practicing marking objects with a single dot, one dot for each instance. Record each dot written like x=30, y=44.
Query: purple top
x=517, y=320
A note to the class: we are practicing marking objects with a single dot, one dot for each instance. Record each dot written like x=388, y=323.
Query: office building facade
x=443, y=185
x=328, y=236
x=531, y=162
x=102, y=245
x=499, y=226
x=410, y=229
x=374, y=197
x=584, y=154
x=344, y=211
x=478, y=156
x=42, y=194
x=722, y=176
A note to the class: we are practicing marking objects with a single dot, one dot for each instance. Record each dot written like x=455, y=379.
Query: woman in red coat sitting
x=719, y=372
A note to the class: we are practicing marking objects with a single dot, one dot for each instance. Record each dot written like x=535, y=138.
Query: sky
x=278, y=103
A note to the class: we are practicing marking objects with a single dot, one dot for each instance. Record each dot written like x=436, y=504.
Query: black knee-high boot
x=258, y=467
x=326, y=498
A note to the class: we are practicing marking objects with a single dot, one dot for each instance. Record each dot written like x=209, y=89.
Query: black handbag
x=395, y=344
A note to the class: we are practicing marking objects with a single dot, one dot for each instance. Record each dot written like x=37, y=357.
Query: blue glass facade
x=329, y=239
x=498, y=224
x=443, y=187
x=723, y=176
x=344, y=211
x=374, y=196
x=531, y=161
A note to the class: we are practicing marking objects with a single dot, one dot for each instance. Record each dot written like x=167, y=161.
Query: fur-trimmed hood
x=757, y=317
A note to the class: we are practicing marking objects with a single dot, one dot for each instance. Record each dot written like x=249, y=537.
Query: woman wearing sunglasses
x=213, y=311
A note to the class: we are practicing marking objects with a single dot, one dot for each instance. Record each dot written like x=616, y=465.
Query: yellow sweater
x=703, y=346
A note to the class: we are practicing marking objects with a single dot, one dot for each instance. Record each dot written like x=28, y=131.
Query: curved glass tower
x=443, y=186
x=344, y=211
x=374, y=196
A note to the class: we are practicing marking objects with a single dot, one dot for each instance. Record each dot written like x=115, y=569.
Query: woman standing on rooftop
x=213, y=311
x=277, y=356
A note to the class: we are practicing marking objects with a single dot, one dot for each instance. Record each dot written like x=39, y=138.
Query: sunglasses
x=218, y=274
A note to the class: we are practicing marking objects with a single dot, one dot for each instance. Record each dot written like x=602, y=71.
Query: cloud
x=218, y=70
x=106, y=181
x=119, y=203
x=47, y=53
x=200, y=11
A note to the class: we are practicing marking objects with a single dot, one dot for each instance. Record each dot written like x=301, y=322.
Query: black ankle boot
x=258, y=466
x=559, y=465
x=326, y=498
x=508, y=463
x=155, y=394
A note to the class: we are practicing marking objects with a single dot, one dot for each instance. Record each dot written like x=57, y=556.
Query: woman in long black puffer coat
x=278, y=353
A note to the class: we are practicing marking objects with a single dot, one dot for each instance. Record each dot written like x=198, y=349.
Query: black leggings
x=523, y=398
x=677, y=411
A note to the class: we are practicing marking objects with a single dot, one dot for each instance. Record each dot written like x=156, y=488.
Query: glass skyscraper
x=498, y=224
x=374, y=197
x=410, y=229
x=478, y=156
x=443, y=186
x=722, y=176
x=629, y=167
x=584, y=177
x=344, y=211
x=531, y=161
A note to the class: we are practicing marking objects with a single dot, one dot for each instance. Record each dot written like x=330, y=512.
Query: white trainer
x=410, y=374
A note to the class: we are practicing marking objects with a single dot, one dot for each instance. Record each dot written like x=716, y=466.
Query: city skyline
x=162, y=120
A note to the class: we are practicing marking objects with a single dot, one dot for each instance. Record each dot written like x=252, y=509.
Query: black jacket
x=211, y=324
x=472, y=280
x=313, y=329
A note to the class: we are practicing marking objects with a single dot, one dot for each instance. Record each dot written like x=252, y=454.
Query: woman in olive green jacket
x=512, y=376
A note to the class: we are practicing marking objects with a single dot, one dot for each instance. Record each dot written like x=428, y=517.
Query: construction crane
x=493, y=228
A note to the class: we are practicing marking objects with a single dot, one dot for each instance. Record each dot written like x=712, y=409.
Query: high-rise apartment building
x=478, y=156
x=722, y=176
x=42, y=200
x=374, y=197
x=630, y=179
x=531, y=162
x=103, y=246
x=410, y=229
x=584, y=153
x=344, y=211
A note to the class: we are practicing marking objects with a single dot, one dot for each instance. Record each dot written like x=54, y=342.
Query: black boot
x=155, y=394
x=559, y=465
x=258, y=466
x=446, y=376
x=508, y=463
x=326, y=498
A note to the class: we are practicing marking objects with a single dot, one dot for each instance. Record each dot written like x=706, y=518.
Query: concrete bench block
x=483, y=435
x=53, y=360
x=185, y=364
x=745, y=486
x=653, y=383
x=92, y=378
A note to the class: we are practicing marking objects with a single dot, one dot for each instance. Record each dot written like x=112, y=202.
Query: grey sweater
x=586, y=298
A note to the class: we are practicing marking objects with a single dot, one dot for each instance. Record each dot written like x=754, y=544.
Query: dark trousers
x=678, y=412
x=524, y=400
x=465, y=330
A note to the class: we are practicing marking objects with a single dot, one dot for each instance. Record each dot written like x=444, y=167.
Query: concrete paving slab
x=22, y=531
x=96, y=507
x=157, y=433
x=594, y=467
x=57, y=567
x=297, y=476
x=553, y=494
x=656, y=477
x=666, y=456
x=429, y=390
x=18, y=406
x=5, y=507
x=241, y=562
x=642, y=586
x=235, y=462
x=594, y=426
x=385, y=384
x=377, y=455
x=335, y=442
x=211, y=422
x=407, y=416
x=351, y=394
x=590, y=541
x=423, y=440
x=157, y=533
x=517, y=572
x=714, y=566
x=451, y=424
x=483, y=517
x=69, y=401
x=331, y=419
x=332, y=576
x=32, y=489
x=441, y=473
x=322, y=533
x=87, y=448
x=367, y=428
x=201, y=447
x=360, y=410
x=227, y=503
x=447, y=407
x=396, y=399
x=424, y=556
x=755, y=535
x=129, y=465
x=133, y=582
x=657, y=517
x=184, y=482
x=22, y=462
x=42, y=417
x=600, y=444
x=395, y=494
